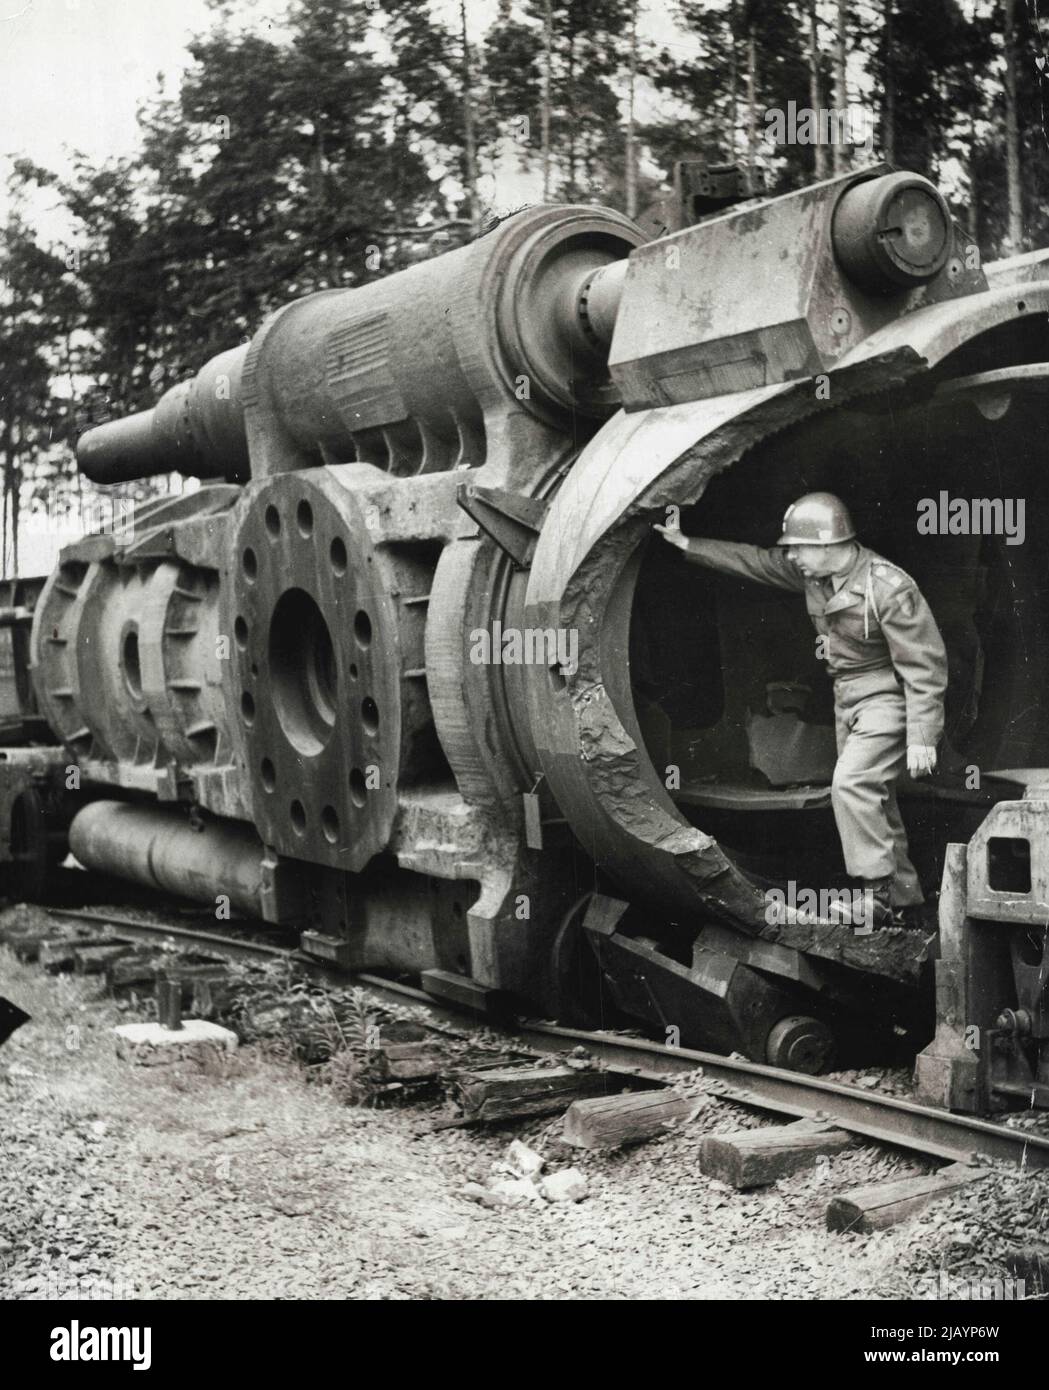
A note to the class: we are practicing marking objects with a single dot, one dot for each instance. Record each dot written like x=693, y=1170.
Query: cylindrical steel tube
x=196, y=428
x=158, y=847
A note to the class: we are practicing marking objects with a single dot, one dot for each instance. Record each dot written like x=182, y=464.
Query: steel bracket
x=512, y=520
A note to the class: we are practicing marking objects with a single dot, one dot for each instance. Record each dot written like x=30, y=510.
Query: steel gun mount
x=408, y=671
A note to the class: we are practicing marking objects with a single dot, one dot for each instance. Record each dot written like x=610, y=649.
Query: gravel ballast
x=239, y=1179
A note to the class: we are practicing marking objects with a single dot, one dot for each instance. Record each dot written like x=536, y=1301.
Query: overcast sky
x=73, y=73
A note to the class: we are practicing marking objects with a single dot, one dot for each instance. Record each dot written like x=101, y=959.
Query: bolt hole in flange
x=362, y=628
x=338, y=555
x=330, y=825
x=272, y=521
x=304, y=519
x=297, y=813
x=303, y=671
x=358, y=787
x=269, y=774
x=250, y=562
x=240, y=633
x=370, y=715
x=247, y=707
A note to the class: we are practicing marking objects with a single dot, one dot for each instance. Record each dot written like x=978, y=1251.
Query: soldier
x=889, y=665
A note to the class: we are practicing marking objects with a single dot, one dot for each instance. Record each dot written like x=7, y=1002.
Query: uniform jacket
x=880, y=629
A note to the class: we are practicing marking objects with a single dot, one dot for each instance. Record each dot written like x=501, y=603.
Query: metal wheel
x=580, y=998
x=800, y=1043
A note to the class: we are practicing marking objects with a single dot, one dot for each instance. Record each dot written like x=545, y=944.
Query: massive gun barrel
x=412, y=652
x=399, y=372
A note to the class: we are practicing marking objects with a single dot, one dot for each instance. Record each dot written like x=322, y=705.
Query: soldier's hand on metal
x=673, y=533
x=921, y=760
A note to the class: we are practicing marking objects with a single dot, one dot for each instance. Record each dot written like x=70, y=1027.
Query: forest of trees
x=363, y=134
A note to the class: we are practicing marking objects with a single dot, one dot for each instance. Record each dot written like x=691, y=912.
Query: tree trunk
x=16, y=503
x=469, y=147
x=733, y=84
x=974, y=192
x=630, y=152
x=570, y=110
x=752, y=108
x=6, y=494
x=841, y=89
x=1014, y=227
x=544, y=116
x=816, y=90
x=888, y=141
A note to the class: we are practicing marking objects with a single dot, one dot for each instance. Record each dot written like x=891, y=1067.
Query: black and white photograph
x=524, y=667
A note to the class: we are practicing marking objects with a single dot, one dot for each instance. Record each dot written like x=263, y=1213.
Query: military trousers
x=871, y=732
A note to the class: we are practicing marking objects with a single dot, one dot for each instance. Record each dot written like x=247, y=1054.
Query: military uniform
x=889, y=665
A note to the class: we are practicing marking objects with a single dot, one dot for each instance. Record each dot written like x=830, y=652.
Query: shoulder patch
x=892, y=577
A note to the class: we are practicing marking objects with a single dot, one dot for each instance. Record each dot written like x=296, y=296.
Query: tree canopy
x=359, y=135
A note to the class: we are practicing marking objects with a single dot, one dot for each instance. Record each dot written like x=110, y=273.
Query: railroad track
x=881, y=1118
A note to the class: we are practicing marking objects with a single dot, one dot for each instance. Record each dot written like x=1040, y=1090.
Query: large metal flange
x=316, y=670
x=87, y=670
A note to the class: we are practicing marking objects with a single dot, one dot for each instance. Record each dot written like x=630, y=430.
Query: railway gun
x=409, y=673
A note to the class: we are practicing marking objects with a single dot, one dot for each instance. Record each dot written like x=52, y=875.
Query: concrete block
x=151, y=1044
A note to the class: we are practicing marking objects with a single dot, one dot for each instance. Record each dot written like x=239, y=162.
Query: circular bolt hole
x=273, y=521
x=269, y=774
x=330, y=825
x=247, y=707
x=240, y=632
x=362, y=628
x=358, y=788
x=132, y=667
x=250, y=562
x=298, y=817
x=370, y=715
x=304, y=519
x=338, y=555
x=353, y=670
x=1022, y=305
x=303, y=671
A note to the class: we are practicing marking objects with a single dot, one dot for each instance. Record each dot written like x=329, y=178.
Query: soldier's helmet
x=818, y=518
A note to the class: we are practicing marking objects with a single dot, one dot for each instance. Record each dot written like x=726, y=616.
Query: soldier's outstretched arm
x=731, y=557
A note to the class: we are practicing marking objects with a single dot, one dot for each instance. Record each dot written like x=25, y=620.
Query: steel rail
x=228, y=946
x=884, y=1119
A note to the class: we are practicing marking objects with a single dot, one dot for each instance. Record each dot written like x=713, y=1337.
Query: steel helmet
x=818, y=518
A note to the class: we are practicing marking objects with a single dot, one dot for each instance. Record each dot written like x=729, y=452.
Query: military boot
x=876, y=892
